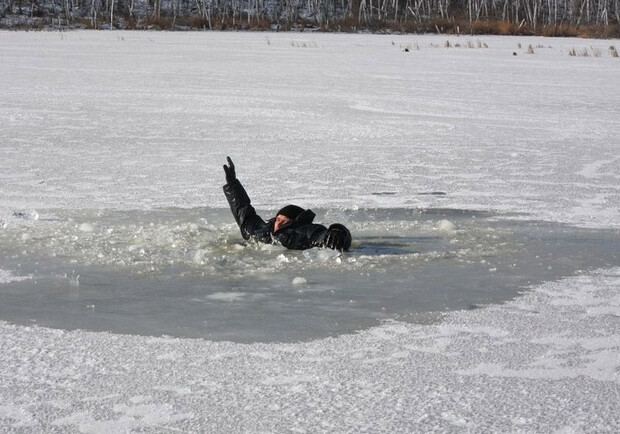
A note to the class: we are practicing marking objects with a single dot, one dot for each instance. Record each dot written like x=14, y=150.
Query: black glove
x=231, y=176
x=338, y=237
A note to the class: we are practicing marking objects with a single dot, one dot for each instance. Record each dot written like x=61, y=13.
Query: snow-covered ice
x=101, y=122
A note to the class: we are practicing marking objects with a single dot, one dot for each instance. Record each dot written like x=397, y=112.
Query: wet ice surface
x=188, y=272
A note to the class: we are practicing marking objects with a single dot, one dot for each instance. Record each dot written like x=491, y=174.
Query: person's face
x=281, y=221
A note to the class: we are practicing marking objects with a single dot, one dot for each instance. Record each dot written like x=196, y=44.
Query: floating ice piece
x=299, y=281
x=446, y=226
x=227, y=296
x=87, y=227
x=6, y=277
x=197, y=256
x=321, y=255
x=269, y=247
x=26, y=215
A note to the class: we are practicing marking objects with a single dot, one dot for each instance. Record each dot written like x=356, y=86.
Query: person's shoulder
x=306, y=217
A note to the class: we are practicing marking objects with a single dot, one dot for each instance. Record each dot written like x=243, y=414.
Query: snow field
x=142, y=120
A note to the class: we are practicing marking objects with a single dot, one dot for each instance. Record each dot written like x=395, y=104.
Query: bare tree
x=534, y=14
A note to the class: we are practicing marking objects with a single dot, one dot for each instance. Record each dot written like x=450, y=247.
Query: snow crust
x=144, y=120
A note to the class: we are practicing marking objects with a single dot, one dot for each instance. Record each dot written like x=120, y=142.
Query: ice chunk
x=299, y=281
x=446, y=226
x=27, y=215
x=227, y=296
x=320, y=255
x=6, y=277
x=198, y=256
x=86, y=227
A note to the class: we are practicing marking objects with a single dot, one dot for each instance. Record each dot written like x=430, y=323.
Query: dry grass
x=495, y=28
x=86, y=23
x=442, y=25
x=304, y=44
x=159, y=23
x=347, y=24
x=504, y=28
x=260, y=24
x=198, y=22
x=560, y=30
x=458, y=25
x=584, y=52
x=450, y=44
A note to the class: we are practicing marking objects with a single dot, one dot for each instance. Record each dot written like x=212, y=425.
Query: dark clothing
x=300, y=234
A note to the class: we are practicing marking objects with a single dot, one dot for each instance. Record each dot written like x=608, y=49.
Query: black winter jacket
x=300, y=234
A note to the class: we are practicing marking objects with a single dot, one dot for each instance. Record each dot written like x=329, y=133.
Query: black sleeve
x=245, y=215
x=301, y=237
x=306, y=236
x=320, y=237
x=317, y=238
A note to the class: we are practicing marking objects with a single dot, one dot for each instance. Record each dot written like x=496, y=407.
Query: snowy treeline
x=350, y=14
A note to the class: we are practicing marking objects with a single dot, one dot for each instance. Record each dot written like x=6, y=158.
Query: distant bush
x=443, y=25
x=560, y=30
x=198, y=22
x=495, y=28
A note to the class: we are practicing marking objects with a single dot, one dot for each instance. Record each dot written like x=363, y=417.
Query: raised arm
x=244, y=213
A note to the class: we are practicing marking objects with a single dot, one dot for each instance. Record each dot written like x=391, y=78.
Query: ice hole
x=188, y=272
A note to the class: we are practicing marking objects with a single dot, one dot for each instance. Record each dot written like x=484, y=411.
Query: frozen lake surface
x=112, y=218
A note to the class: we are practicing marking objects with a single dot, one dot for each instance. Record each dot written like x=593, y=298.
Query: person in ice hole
x=292, y=226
